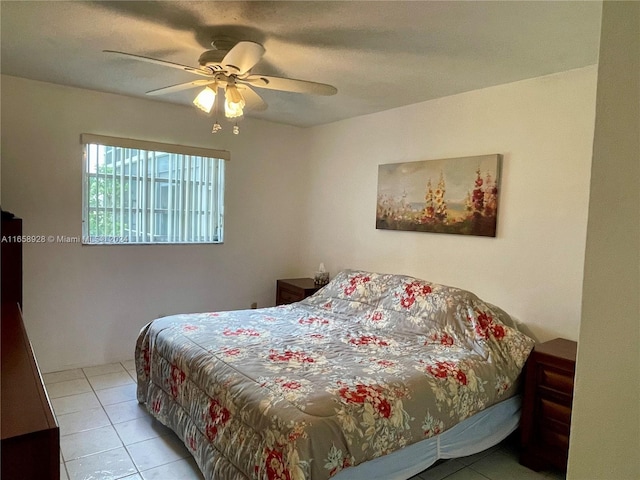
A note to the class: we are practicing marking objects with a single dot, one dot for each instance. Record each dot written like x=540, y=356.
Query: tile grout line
x=470, y=467
x=111, y=424
x=120, y=437
x=461, y=467
x=86, y=377
x=137, y=471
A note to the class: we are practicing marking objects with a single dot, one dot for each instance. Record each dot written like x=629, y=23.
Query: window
x=144, y=192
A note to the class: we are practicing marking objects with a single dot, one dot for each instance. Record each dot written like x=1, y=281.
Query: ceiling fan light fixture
x=205, y=99
x=228, y=62
x=234, y=103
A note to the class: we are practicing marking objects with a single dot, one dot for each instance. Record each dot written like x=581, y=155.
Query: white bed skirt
x=473, y=435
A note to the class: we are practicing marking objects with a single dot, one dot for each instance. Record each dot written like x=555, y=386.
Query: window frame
x=212, y=188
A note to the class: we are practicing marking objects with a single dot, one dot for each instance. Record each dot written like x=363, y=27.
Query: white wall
x=533, y=268
x=605, y=432
x=296, y=198
x=85, y=305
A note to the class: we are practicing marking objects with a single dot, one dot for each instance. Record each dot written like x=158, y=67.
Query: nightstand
x=294, y=289
x=546, y=408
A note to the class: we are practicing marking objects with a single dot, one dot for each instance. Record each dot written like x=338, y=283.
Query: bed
x=374, y=376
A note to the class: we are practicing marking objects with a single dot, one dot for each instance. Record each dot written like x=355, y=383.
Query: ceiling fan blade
x=243, y=57
x=180, y=86
x=289, y=85
x=185, y=68
x=252, y=100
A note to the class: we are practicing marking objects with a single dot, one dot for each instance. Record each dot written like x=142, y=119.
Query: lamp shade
x=205, y=99
x=234, y=103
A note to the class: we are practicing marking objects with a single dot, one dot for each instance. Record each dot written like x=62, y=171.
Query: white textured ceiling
x=379, y=55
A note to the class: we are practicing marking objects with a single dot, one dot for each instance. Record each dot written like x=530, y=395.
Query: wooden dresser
x=292, y=290
x=546, y=409
x=30, y=435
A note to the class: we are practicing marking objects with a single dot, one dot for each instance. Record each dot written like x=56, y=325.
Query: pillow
x=433, y=313
x=355, y=286
x=402, y=301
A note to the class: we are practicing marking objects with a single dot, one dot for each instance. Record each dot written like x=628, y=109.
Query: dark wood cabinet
x=546, y=409
x=30, y=448
x=292, y=290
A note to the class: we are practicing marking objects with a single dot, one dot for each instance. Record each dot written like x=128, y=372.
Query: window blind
x=139, y=192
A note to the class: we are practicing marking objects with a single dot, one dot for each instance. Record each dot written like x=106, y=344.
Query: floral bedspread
x=369, y=364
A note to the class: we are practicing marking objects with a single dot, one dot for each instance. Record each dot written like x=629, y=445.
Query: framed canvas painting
x=452, y=195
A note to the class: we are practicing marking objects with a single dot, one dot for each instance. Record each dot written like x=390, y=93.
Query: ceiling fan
x=230, y=70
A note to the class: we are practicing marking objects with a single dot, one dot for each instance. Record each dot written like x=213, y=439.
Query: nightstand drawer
x=294, y=290
x=554, y=437
x=555, y=379
x=555, y=411
x=287, y=296
x=545, y=423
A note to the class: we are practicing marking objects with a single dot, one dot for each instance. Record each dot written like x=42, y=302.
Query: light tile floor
x=106, y=435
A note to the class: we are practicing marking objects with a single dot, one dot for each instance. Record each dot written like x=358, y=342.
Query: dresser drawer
x=555, y=379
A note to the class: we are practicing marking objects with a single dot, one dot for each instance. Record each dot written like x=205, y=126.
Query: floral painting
x=453, y=195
